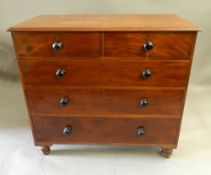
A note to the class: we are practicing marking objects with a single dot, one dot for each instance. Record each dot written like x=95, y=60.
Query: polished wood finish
x=144, y=22
x=83, y=80
x=106, y=73
x=104, y=130
x=109, y=102
x=171, y=45
x=75, y=44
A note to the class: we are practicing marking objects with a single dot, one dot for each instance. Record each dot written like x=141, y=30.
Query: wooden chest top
x=155, y=22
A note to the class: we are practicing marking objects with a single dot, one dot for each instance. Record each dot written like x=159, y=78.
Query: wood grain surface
x=75, y=44
x=106, y=73
x=167, y=45
x=141, y=22
x=110, y=102
x=49, y=130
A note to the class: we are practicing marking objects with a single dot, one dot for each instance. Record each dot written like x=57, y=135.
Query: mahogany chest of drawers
x=105, y=79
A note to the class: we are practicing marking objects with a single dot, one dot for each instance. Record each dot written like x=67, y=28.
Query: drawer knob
x=148, y=46
x=143, y=102
x=60, y=73
x=140, y=132
x=57, y=46
x=67, y=130
x=146, y=74
x=64, y=101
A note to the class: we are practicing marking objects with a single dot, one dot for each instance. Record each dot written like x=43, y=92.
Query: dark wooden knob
x=57, y=46
x=64, y=101
x=67, y=130
x=140, y=132
x=143, y=102
x=148, y=46
x=146, y=74
x=60, y=73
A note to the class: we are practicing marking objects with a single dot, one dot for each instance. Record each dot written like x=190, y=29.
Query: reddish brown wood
x=106, y=73
x=75, y=44
x=193, y=48
x=166, y=152
x=171, y=45
x=107, y=102
x=105, y=130
x=141, y=22
x=23, y=86
x=104, y=59
x=46, y=150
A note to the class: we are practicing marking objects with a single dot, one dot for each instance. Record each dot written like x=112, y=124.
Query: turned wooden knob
x=148, y=46
x=166, y=152
x=143, y=102
x=64, y=101
x=57, y=46
x=140, y=132
x=146, y=74
x=60, y=73
x=46, y=150
x=67, y=130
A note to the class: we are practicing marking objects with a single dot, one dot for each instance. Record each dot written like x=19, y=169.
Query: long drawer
x=58, y=44
x=162, y=45
x=127, y=73
x=85, y=130
x=110, y=102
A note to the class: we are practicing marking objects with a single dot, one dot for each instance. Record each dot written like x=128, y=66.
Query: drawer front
x=89, y=101
x=81, y=130
x=60, y=44
x=166, y=45
x=126, y=73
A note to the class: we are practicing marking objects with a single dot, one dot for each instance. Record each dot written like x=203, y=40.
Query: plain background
x=19, y=156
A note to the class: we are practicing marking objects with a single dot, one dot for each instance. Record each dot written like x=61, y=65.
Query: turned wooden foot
x=166, y=152
x=46, y=150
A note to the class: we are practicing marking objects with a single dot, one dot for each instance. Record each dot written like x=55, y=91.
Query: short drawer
x=57, y=44
x=92, y=101
x=127, y=73
x=154, y=45
x=88, y=130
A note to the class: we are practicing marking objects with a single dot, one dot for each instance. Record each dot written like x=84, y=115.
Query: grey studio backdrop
x=19, y=156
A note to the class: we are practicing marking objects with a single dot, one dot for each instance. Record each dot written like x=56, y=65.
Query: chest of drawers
x=105, y=79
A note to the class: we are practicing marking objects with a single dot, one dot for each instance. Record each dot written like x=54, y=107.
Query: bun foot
x=166, y=152
x=46, y=150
